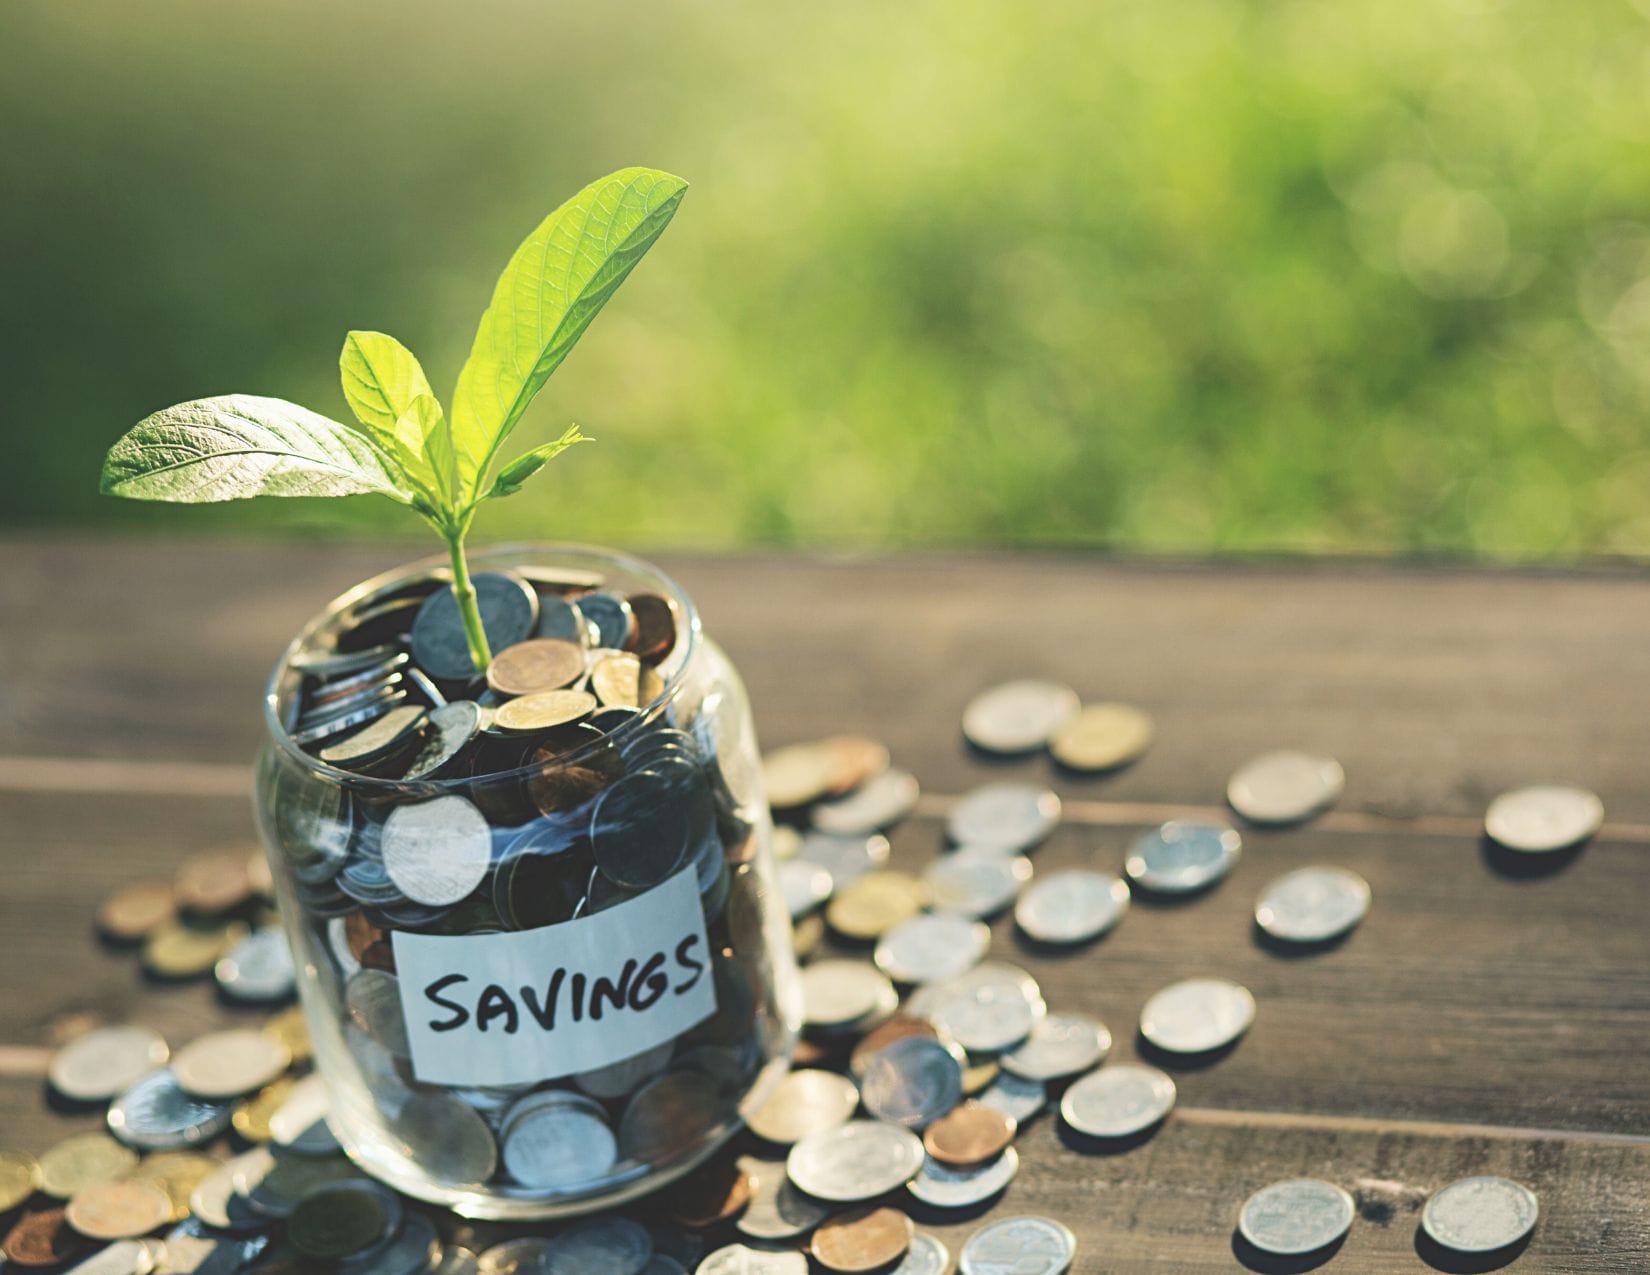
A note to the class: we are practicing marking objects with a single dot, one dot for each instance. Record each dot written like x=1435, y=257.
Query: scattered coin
x=299, y=1121
x=1313, y=905
x=1197, y=1015
x=118, y=1210
x=969, y=1134
x=777, y=1209
x=1118, y=1101
x=1073, y=906
x=251, y=1118
x=1543, y=819
x=96, y=1066
x=803, y=1103
x=1006, y=817
x=84, y=1160
x=123, y=1257
x=871, y=906
x=943, y=1186
x=991, y=1008
x=1285, y=787
x=879, y=803
x=931, y=946
x=856, y=1161
x=804, y=885
x=228, y=1064
x=836, y=993
x=1298, y=1217
x=539, y=664
x=1183, y=856
x=1019, y=716
x=913, y=1081
x=1102, y=737
x=290, y=1030
x=156, y=1114
x=741, y=1259
x=711, y=1195
x=176, y=950
x=214, y=883
x=437, y=851
x=19, y=1179
x=847, y=859
x=258, y=969
x=1019, y=1246
x=867, y=1239
x=134, y=912
x=797, y=775
x=543, y=711
x=341, y=1219
x=1015, y=1096
x=896, y=1028
x=1480, y=1214
x=1060, y=1045
x=177, y=1174
x=43, y=1238
x=926, y=1256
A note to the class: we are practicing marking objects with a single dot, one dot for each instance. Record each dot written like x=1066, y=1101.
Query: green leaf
x=523, y=467
x=381, y=379
x=554, y=285
x=242, y=445
x=424, y=431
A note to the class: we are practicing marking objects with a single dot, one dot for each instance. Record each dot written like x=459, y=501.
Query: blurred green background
x=1369, y=276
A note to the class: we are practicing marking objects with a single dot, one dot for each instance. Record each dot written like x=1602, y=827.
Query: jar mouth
x=284, y=680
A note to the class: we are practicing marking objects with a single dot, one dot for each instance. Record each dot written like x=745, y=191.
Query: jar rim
x=523, y=552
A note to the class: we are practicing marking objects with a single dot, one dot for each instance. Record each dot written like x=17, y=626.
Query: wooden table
x=1481, y=1020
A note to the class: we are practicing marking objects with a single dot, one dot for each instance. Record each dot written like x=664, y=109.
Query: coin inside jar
x=620, y=680
x=969, y=1134
x=866, y=1239
x=437, y=851
x=540, y=664
x=654, y=635
x=508, y=608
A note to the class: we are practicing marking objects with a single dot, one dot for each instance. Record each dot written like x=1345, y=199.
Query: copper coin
x=541, y=664
x=213, y=883
x=878, y=1038
x=850, y=760
x=119, y=1210
x=711, y=1194
x=132, y=913
x=40, y=1239
x=543, y=710
x=969, y=1134
x=655, y=633
x=863, y=1240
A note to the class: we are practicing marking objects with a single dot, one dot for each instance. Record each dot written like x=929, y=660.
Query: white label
x=514, y=1009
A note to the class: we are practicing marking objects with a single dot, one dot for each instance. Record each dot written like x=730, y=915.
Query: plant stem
x=465, y=594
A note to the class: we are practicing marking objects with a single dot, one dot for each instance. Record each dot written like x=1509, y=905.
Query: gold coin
x=136, y=911
x=213, y=883
x=979, y=1077
x=871, y=906
x=251, y=1118
x=538, y=664
x=82, y=1161
x=804, y=1102
x=796, y=776
x=1101, y=737
x=806, y=935
x=289, y=1028
x=177, y=1173
x=118, y=1210
x=19, y=1178
x=543, y=710
x=177, y=950
x=623, y=681
x=227, y=1064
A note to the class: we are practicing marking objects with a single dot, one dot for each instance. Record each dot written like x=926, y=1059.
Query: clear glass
x=667, y=1108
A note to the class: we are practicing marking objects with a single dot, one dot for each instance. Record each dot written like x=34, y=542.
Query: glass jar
x=544, y=963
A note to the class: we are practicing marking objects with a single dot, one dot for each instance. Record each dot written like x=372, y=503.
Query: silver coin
x=742, y=1259
x=452, y=727
x=926, y=1256
x=101, y=1063
x=1059, y=1045
x=989, y=1009
x=612, y=1245
x=557, y=1144
x=1285, y=787
x=838, y=992
x=803, y=884
x=449, y=1140
x=1072, y=906
x=880, y=802
x=1480, y=1214
x=373, y=1000
x=1543, y=819
x=515, y=1257
x=1292, y=1218
x=777, y=1209
x=1197, y=1015
x=1183, y=856
x=617, y=1079
x=1118, y=1101
x=300, y=1123
x=219, y=1203
x=859, y=1160
x=1014, y=1096
x=1019, y=716
x=1019, y=1246
x=931, y=946
x=437, y=851
x=975, y=883
x=912, y=1082
x=945, y=1187
x=847, y=859
x=1005, y=817
x=378, y=741
x=412, y=1251
x=156, y=1114
x=1313, y=905
x=259, y=968
x=379, y=702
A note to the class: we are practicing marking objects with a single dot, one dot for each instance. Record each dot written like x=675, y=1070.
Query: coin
x=40, y=1239
x=539, y=664
x=804, y=1102
x=19, y=1178
x=1072, y=906
x=611, y=616
x=1018, y=716
x=1294, y=1218
x=741, y=1259
x=509, y=610
x=1101, y=737
x=452, y=727
x=879, y=803
x=976, y=884
x=969, y=1134
x=617, y=1079
x=642, y=826
x=612, y=1245
x=1118, y=1101
x=1019, y=1246
x=1543, y=819
x=1480, y=1214
x=1313, y=905
x=711, y=1195
x=926, y=1256
x=803, y=885
x=556, y=1139
x=989, y=1009
x=251, y=1118
x=1060, y=1045
x=411, y=1252
x=1006, y=817
x=669, y=1114
x=655, y=633
x=1014, y=1096
x=341, y=1219
x=1197, y=1015
x=944, y=1187
x=515, y=1257
x=856, y=1161
x=177, y=1174
x=437, y=851
x=378, y=739
x=123, y=1257
x=82, y=1161
x=447, y=1138
x=176, y=950
x=1285, y=787
x=135, y=911
x=913, y=1081
x=797, y=775
x=871, y=906
x=96, y=1066
x=621, y=680
x=838, y=992
x=156, y=1114
x=118, y=1210
x=258, y=969
x=931, y=946
x=878, y=1038
x=227, y=1064
x=1183, y=856
x=847, y=859
x=213, y=883
x=867, y=1239
x=543, y=710
x=290, y=1030
x=299, y=1120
